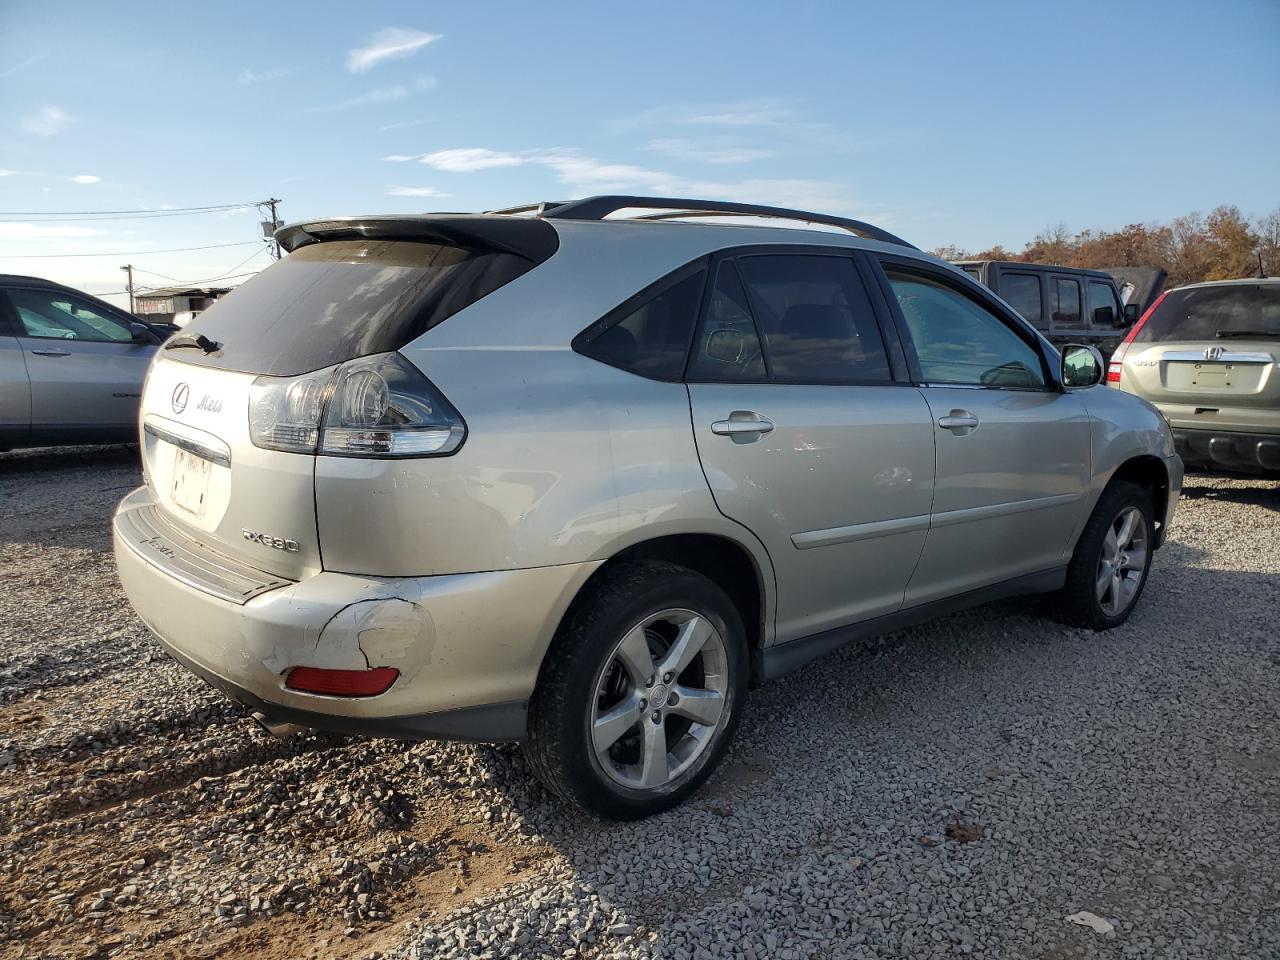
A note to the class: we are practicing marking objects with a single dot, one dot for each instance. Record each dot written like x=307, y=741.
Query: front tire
x=1108, y=570
x=641, y=691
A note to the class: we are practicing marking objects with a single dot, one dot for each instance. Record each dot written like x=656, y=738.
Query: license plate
x=191, y=482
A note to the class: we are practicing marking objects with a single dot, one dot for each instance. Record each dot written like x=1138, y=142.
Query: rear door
x=1013, y=456
x=85, y=370
x=806, y=436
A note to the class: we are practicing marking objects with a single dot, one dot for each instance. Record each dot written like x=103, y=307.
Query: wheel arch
x=1150, y=473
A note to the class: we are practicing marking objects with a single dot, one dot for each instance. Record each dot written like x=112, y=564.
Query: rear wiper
x=199, y=341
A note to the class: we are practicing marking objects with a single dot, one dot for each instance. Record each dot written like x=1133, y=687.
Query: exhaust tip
x=274, y=727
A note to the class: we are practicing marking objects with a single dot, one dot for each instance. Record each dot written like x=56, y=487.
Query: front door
x=86, y=371
x=1013, y=455
x=807, y=440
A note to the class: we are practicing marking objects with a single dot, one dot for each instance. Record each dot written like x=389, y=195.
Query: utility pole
x=128, y=268
x=275, y=223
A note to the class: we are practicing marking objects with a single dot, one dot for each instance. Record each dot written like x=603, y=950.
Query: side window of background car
x=1022, y=292
x=651, y=340
x=959, y=341
x=1066, y=301
x=1103, y=308
x=816, y=320
x=54, y=315
x=727, y=346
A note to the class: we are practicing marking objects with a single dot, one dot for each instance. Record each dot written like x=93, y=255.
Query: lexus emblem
x=179, y=399
x=1212, y=353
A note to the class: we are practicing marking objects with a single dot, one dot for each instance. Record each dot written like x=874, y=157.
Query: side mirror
x=1130, y=314
x=726, y=346
x=1082, y=366
x=141, y=333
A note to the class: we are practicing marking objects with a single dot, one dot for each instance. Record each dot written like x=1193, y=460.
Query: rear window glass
x=651, y=339
x=1207, y=313
x=329, y=302
x=1022, y=292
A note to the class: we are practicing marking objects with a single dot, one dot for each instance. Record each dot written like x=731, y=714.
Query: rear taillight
x=341, y=683
x=378, y=406
x=1115, y=367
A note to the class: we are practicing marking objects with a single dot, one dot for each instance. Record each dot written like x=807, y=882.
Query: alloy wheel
x=659, y=699
x=1123, y=562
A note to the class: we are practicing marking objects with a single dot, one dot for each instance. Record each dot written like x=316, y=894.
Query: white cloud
x=86, y=178
x=21, y=65
x=717, y=152
x=399, y=158
x=380, y=95
x=469, y=159
x=248, y=76
x=763, y=112
x=397, y=191
x=8, y=173
x=47, y=121
x=404, y=124
x=31, y=231
x=390, y=43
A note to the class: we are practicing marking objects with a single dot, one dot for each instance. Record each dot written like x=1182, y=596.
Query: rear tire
x=1108, y=570
x=641, y=691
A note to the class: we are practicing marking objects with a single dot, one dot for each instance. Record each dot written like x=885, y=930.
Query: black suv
x=1066, y=304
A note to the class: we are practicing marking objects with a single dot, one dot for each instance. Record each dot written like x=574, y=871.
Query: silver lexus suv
x=557, y=475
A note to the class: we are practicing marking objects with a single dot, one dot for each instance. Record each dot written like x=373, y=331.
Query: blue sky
x=968, y=123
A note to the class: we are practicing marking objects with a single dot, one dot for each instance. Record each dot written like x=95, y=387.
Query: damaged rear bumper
x=468, y=646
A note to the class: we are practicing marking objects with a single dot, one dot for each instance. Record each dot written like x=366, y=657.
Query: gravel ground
x=957, y=789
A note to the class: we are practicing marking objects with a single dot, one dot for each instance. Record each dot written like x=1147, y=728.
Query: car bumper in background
x=468, y=646
x=1238, y=451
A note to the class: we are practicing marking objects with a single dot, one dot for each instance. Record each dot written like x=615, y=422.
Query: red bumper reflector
x=341, y=683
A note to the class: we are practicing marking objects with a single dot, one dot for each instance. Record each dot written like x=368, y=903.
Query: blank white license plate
x=191, y=482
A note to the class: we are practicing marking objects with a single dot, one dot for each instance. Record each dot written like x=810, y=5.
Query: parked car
x=543, y=475
x=1066, y=304
x=71, y=366
x=1206, y=356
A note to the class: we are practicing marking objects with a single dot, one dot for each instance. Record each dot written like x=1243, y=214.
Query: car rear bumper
x=468, y=646
x=1238, y=451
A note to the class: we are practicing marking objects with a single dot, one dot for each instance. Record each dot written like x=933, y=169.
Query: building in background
x=176, y=304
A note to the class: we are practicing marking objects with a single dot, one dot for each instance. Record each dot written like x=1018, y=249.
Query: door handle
x=50, y=352
x=959, y=422
x=743, y=426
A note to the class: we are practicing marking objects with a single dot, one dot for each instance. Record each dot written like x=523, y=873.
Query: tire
x=592, y=680
x=1086, y=600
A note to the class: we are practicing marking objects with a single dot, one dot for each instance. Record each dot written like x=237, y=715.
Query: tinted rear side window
x=651, y=339
x=1203, y=313
x=1066, y=301
x=329, y=302
x=816, y=320
x=1022, y=292
x=728, y=345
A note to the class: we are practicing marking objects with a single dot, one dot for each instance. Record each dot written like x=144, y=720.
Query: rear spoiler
x=533, y=239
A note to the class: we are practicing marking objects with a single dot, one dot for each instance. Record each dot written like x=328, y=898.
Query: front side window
x=1022, y=292
x=727, y=345
x=959, y=341
x=1103, y=308
x=815, y=318
x=1066, y=301
x=652, y=338
x=53, y=315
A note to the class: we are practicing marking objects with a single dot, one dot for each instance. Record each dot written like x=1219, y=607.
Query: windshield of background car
x=1201, y=313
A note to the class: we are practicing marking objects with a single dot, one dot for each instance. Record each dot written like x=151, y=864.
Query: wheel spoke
x=693, y=635
x=1117, y=590
x=700, y=706
x=634, y=656
x=1110, y=546
x=653, y=763
x=1104, y=581
x=1127, y=524
x=1136, y=560
x=616, y=721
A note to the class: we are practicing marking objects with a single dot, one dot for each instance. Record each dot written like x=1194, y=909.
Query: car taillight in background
x=377, y=406
x=1115, y=367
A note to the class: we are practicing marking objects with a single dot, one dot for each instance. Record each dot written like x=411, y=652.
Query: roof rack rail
x=537, y=209
x=597, y=208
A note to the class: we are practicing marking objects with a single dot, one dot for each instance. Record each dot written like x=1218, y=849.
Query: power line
x=123, y=253
x=228, y=275
x=158, y=211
